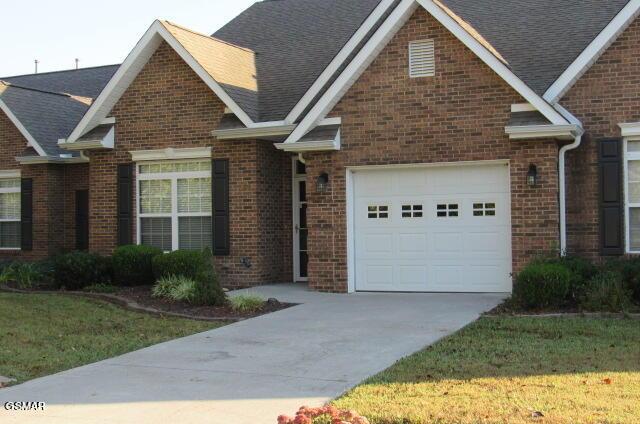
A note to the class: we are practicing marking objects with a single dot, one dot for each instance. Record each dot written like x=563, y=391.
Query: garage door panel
x=433, y=229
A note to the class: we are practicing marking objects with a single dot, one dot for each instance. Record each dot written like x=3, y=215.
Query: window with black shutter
x=611, y=205
x=220, y=194
x=125, y=203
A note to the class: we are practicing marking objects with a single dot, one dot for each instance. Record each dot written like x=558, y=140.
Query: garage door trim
x=350, y=195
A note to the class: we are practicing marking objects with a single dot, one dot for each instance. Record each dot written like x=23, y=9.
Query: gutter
x=577, y=141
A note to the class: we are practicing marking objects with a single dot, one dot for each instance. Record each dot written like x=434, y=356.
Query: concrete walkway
x=252, y=371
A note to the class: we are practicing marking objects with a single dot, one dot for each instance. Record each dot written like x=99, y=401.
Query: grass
x=45, y=334
x=505, y=370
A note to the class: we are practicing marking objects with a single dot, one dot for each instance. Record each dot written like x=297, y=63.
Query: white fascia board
x=14, y=119
x=37, y=160
x=522, y=107
x=129, y=70
x=338, y=60
x=562, y=132
x=352, y=72
x=311, y=146
x=593, y=52
x=108, y=142
x=253, y=132
x=630, y=131
x=171, y=154
x=494, y=63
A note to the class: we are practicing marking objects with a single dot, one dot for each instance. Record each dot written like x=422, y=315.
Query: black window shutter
x=82, y=219
x=26, y=214
x=220, y=194
x=125, y=203
x=611, y=204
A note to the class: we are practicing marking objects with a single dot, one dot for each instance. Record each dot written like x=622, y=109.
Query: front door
x=300, y=231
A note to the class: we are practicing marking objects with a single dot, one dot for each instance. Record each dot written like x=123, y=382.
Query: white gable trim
x=14, y=119
x=338, y=60
x=131, y=67
x=593, y=52
x=352, y=72
x=380, y=39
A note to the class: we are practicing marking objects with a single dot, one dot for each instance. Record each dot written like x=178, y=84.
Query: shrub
x=606, y=292
x=325, y=414
x=197, y=266
x=629, y=270
x=133, y=265
x=582, y=271
x=76, y=270
x=542, y=285
x=26, y=275
x=178, y=288
x=247, y=303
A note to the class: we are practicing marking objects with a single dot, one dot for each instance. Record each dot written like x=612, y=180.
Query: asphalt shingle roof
x=50, y=105
x=294, y=41
x=539, y=39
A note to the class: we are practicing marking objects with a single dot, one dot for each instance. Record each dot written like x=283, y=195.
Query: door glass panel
x=634, y=229
x=304, y=261
x=301, y=168
x=302, y=187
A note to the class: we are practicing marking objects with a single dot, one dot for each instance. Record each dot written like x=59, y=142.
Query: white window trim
x=627, y=157
x=10, y=175
x=174, y=214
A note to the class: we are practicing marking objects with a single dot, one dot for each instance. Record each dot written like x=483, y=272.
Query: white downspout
x=563, y=192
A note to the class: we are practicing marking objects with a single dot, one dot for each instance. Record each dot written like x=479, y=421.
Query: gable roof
x=538, y=39
x=46, y=107
x=294, y=41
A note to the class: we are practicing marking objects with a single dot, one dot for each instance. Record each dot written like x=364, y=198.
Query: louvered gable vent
x=422, y=61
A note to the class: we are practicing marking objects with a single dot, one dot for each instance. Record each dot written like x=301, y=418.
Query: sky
x=56, y=32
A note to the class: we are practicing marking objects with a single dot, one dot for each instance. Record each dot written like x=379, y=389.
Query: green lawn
x=44, y=334
x=502, y=370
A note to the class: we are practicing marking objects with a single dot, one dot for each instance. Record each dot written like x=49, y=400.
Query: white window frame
x=174, y=215
x=10, y=175
x=628, y=157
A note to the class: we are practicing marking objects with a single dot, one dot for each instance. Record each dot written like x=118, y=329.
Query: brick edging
x=123, y=302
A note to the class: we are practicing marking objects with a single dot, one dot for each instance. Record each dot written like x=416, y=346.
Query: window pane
x=633, y=146
x=9, y=205
x=10, y=183
x=194, y=195
x=156, y=232
x=194, y=232
x=163, y=167
x=10, y=235
x=634, y=230
x=155, y=196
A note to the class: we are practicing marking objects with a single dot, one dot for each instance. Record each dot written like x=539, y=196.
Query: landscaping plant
x=327, y=414
x=196, y=266
x=26, y=275
x=542, y=286
x=133, y=265
x=77, y=270
x=247, y=303
x=606, y=292
x=178, y=288
x=101, y=288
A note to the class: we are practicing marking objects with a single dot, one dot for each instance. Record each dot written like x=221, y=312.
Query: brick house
x=373, y=145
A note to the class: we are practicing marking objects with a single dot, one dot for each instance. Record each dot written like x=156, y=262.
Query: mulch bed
x=505, y=310
x=139, y=299
x=142, y=296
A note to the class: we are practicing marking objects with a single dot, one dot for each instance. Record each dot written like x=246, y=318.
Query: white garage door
x=436, y=229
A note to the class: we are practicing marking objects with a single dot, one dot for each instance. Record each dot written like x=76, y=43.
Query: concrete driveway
x=255, y=370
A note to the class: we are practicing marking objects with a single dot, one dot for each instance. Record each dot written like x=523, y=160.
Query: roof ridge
x=60, y=71
x=55, y=93
x=210, y=37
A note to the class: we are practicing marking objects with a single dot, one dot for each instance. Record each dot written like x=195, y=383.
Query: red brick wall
x=168, y=105
x=604, y=97
x=53, y=228
x=459, y=115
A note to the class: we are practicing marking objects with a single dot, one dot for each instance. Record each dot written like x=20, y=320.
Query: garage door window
x=412, y=211
x=484, y=209
x=448, y=210
x=378, y=212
